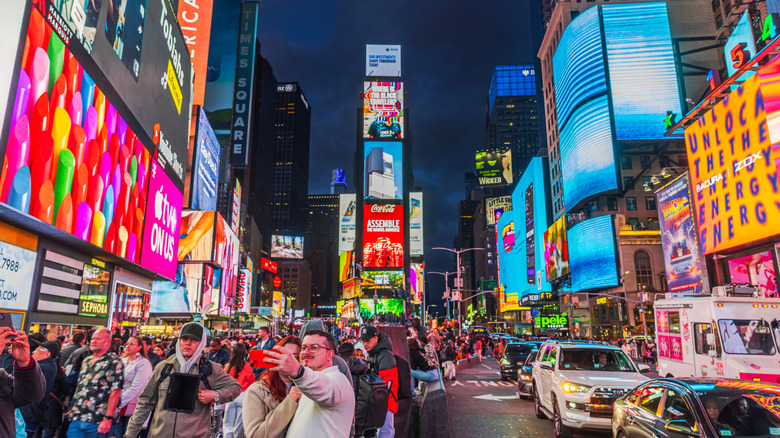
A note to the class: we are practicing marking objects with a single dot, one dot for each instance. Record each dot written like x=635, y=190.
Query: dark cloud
x=448, y=52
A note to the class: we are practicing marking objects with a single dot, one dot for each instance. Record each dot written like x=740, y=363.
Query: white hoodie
x=326, y=407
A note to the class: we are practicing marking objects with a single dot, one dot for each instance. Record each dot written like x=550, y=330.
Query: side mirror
x=681, y=427
x=643, y=368
x=546, y=365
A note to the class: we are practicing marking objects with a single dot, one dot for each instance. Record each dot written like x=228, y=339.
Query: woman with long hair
x=138, y=370
x=239, y=369
x=270, y=403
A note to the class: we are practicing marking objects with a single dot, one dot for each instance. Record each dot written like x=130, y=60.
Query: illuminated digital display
x=383, y=172
x=383, y=236
x=383, y=60
x=494, y=168
x=347, y=222
x=556, y=250
x=592, y=253
x=383, y=110
x=508, y=274
x=495, y=207
x=287, y=247
x=733, y=155
x=587, y=156
x=382, y=279
x=678, y=237
x=416, y=224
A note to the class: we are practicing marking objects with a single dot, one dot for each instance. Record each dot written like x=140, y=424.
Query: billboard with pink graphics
x=161, y=230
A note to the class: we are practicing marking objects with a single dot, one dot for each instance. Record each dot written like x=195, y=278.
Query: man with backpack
x=382, y=360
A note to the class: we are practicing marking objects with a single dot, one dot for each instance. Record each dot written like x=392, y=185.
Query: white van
x=717, y=335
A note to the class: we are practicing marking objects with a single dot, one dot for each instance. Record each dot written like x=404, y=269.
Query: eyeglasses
x=314, y=348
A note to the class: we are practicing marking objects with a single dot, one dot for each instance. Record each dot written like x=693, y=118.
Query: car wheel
x=503, y=378
x=538, y=405
x=561, y=430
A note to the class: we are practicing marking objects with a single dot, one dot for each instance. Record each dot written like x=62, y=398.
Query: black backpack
x=404, y=378
x=371, y=395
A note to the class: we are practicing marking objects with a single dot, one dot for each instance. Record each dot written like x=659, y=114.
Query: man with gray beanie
x=214, y=385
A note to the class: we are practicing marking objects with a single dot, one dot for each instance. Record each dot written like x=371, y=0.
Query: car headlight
x=505, y=362
x=526, y=377
x=573, y=387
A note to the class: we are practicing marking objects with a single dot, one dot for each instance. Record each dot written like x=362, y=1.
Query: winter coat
x=35, y=413
x=264, y=416
x=382, y=360
x=25, y=386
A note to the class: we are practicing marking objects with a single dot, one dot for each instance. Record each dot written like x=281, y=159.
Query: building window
x=625, y=163
x=630, y=203
x=650, y=203
x=593, y=205
x=628, y=182
x=612, y=204
x=644, y=161
x=644, y=271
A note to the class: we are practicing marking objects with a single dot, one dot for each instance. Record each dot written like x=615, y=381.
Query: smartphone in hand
x=257, y=359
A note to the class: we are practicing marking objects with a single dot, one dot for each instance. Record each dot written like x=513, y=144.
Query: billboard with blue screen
x=205, y=166
x=587, y=157
x=508, y=275
x=642, y=73
x=578, y=65
x=592, y=254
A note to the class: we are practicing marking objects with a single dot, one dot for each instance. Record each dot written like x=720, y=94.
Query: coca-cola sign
x=383, y=236
x=389, y=208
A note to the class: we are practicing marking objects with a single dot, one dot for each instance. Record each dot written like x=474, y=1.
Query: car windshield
x=595, y=359
x=742, y=409
x=518, y=349
x=746, y=336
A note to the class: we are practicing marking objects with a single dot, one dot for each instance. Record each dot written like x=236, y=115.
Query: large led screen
x=181, y=296
x=393, y=306
x=588, y=161
x=383, y=110
x=226, y=255
x=161, y=227
x=578, y=65
x=593, y=254
x=733, y=164
x=383, y=171
x=197, y=236
x=382, y=279
x=556, y=250
x=495, y=207
x=678, y=237
x=383, y=60
x=642, y=73
x=416, y=224
x=494, y=168
x=347, y=222
x=756, y=270
x=383, y=237
x=205, y=166
x=417, y=282
x=287, y=247
x=346, y=264
x=508, y=276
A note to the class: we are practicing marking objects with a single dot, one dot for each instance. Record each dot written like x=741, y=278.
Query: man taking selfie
x=25, y=386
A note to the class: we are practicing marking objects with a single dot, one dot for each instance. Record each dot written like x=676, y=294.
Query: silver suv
x=576, y=384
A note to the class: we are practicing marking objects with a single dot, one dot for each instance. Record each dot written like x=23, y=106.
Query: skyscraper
x=322, y=246
x=290, y=170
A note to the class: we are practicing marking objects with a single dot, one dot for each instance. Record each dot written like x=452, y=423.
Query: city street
x=480, y=404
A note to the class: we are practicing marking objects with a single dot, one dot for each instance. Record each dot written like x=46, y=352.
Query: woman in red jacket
x=239, y=369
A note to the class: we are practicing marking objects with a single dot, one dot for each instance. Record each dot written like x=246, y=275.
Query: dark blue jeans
x=81, y=429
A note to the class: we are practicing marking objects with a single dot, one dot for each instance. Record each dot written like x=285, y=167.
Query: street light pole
x=446, y=286
x=459, y=285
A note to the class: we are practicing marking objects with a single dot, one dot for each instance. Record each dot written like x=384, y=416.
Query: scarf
x=186, y=364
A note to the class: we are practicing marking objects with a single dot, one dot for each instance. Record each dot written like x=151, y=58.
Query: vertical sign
x=415, y=224
x=235, y=211
x=195, y=21
x=678, y=237
x=530, y=247
x=243, y=298
x=244, y=85
x=347, y=224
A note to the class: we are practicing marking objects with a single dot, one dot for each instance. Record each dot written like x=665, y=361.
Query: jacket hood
x=312, y=324
x=384, y=343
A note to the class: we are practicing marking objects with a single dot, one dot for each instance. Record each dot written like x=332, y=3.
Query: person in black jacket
x=26, y=385
x=46, y=354
x=421, y=368
x=153, y=357
x=448, y=361
x=382, y=360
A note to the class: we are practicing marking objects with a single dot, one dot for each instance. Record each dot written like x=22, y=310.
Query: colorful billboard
x=495, y=207
x=382, y=279
x=205, y=166
x=417, y=282
x=197, y=236
x=268, y=265
x=394, y=306
x=383, y=171
x=244, y=292
x=235, y=208
x=347, y=222
x=383, y=60
x=556, y=250
x=145, y=74
x=161, y=228
x=508, y=277
x=227, y=256
x=756, y=270
x=416, y=247
x=346, y=262
x=592, y=253
x=678, y=237
x=508, y=236
x=278, y=302
x=734, y=172
x=642, y=75
x=383, y=237
x=195, y=21
x=494, y=168
x=17, y=267
x=286, y=247
x=181, y=296
x=383, y=110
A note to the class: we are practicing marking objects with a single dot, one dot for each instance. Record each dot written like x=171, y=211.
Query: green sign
x=554, y=321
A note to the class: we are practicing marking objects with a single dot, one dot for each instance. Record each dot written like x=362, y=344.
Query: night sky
x=448, y=52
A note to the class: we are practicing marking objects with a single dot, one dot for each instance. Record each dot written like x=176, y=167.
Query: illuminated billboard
x=416, y=224
x=592, y=254
x=734, y=171
x=417, y=282
x=383, y=171
x=197, y=236
x=183, y=295
x=508, y=236
x=278, y=302
x=195, y=21
x=347, y=222
x=678, y=237
x=383, y=60
x=346, y=260
x=383, y=237
x=508, y=278
x=235, y=208
x=383, y=305
x=494, y=168
x=642, y=74
x=205, y=166
x=286, y=247
x=382, y=279
x=556, y=250
x=742, y=35
x=383, y=110
x=587, y=155
x=227, y=256
x=495, y=207
x=161, y=225
x=244, y=292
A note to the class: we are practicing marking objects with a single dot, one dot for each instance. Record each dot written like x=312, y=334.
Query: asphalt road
x=481, y=405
